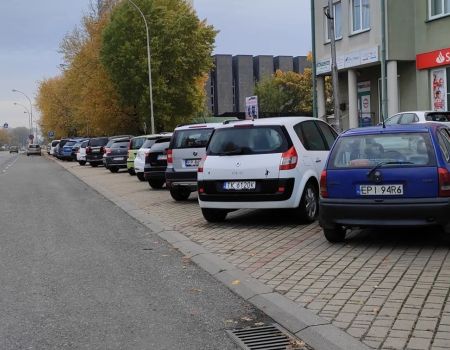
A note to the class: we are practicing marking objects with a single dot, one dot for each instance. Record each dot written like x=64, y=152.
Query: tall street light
x=152, y=119
x=31, y=107
x=27, y=112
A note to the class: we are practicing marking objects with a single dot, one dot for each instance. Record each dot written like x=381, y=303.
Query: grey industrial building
x=233, y=78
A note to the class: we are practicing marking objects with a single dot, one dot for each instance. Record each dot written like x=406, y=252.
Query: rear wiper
x=380, y=164
x=232, y=152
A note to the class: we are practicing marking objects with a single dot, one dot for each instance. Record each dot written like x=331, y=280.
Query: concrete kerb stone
x=314, y=330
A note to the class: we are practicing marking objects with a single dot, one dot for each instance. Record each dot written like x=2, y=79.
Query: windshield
x=120, y=144
x=191, y=138
x=438, y=117
x=248, y=140
x=70, y=143
x=137, y=142
x=54, y=143
x=98, y=142
x=148, y=143
x=366, y=151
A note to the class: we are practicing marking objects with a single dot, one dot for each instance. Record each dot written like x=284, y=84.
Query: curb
x=303, y=323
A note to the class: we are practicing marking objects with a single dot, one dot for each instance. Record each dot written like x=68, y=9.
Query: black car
x=13, y=149
x=116, y=154
x=95, y=149
x=156, y=163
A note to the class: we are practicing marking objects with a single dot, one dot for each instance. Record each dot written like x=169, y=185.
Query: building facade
x=417, y=56
x=233, y=78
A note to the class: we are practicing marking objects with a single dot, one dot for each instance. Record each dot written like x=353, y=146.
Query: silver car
x=34, y=150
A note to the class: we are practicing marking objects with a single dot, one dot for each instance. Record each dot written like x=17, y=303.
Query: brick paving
x=389, y=288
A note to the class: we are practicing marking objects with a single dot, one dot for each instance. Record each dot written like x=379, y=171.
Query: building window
x=439, y=8
x=337, y=15
x=360, y=15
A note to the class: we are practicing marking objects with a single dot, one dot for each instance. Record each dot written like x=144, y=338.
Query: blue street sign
x=51, y=134
x=5, y=126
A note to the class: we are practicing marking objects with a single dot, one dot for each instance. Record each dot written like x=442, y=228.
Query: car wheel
x=131, y=172
x=140, y=176
x=156, y=184
x=82, y=162
x=214, y=215
x=335, y=235
x=113, y=169
x=309, y=205
x=94, y=165
x=180, y=193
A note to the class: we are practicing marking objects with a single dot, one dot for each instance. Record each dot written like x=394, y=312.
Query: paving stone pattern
x=388, y=288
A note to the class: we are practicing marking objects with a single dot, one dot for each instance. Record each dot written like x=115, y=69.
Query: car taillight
x=107, y=150
x=323, y=184
x=102, y=149
x=169, y=157
x=201, y=164
x=444, y=182
x=289, y=159
x=129, y=145
x=88, y=150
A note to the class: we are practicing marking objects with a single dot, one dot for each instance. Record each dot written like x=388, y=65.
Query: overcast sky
x=30, y=33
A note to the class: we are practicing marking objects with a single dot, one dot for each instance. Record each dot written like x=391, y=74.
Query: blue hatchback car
x=397, y=176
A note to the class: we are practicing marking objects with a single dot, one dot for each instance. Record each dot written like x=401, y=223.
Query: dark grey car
x=116, y=154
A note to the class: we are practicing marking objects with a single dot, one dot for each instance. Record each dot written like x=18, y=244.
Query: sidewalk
x=386, y=290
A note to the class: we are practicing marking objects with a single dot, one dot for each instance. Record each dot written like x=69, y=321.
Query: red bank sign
x=433, y=59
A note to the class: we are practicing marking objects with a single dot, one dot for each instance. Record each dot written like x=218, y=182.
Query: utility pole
x=334, y=70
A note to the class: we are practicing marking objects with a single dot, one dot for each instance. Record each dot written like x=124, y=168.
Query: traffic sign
x=31, y=137
x=5, y=126
x=51, y=134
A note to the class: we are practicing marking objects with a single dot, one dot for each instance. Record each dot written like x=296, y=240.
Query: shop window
x=438, y=8
x=337, y=7
x=360, y=15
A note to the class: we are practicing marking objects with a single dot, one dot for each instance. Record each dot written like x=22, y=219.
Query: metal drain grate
x=261, y=338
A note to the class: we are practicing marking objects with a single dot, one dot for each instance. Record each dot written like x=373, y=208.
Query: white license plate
x=118, y=158
x=239, y=185
x=191, y=162
x=95, y=151
x=162, y=157
x=381, y=190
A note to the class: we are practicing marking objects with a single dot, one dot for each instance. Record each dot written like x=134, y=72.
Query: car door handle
x=318, y=160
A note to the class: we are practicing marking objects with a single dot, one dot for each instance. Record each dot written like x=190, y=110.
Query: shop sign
x=352, y=59
x=439, y=90
x=433, y=59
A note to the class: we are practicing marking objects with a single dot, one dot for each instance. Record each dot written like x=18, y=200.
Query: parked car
x=66, y=150
x=397, y=176
x=81, y=153
x=95, y=150
x=272, y=163
x=135, y=144
x=53, y=146
x=116, y=154
x=13, y=149
x=418, y=117
x=56, y=151
x=75, y=149
x=34, y=150
x=60, y=152
x=156, y=163
x=139, y=160
x=187, y=147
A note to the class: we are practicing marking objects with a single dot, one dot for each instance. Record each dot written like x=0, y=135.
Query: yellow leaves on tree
x=4, y=137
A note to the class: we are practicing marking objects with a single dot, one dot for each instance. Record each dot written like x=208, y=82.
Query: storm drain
x=270, y=337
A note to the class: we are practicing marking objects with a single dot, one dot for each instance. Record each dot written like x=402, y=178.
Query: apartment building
x=417, y=56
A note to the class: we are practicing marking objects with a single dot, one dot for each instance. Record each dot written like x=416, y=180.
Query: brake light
x=289, y=159
x=129, y=145
x=169, y=157
x=444, y=182
x=323, y=184
x=201, y=164
x=107, y=150
x=88, y=150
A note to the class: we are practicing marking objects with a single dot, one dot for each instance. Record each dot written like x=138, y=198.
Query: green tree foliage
x=181, y=47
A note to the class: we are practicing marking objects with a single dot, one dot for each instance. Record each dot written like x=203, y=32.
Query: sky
x=31, y=31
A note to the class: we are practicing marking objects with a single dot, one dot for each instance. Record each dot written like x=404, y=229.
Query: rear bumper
x=181, y=179
x=110, y=161
x=389, y=213
x=155, y=173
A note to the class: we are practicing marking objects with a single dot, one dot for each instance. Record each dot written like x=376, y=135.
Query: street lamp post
x=31, y=108
x=27, y=112
x=152, y=119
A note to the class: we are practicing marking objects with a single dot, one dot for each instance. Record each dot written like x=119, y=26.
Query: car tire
x=94, y=165
x=140, y=176
x=309, y=204
x=180, y=193
x=82, y=162
x=214, y=215
x=131, y=172
x=113, y=169
x=335, y=235
x=156, y=184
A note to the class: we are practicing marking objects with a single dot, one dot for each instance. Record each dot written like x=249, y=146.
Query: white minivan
x=264, y=164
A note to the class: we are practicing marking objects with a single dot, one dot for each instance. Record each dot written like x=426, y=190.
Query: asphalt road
x=79, y=273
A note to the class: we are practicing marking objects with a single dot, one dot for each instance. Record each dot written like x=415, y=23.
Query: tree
x=5, y=138
x=181, y=47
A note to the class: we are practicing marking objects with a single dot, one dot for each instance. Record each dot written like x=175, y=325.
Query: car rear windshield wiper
x=235, y=151
x=380, y=164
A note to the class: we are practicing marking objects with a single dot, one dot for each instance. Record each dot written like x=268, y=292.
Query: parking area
x=389, y=289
